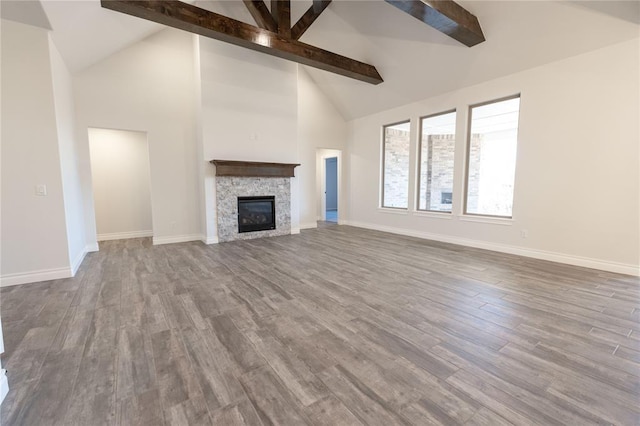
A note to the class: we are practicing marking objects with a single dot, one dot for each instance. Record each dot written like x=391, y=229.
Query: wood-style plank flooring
x=336, y=326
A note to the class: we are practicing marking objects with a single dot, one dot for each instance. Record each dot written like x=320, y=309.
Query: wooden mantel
x=253, y=169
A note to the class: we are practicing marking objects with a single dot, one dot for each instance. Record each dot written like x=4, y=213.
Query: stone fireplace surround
x=251, y=179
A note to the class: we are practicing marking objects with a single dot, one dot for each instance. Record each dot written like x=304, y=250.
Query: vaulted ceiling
x=415, y=60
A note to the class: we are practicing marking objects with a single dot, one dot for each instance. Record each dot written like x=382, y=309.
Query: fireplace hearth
x=256, y=214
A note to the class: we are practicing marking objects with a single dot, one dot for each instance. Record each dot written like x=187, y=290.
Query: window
x=491, y=157
x=435, y=167
x=395, y=165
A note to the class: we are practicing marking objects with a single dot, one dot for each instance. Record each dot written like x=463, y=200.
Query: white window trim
x=507, y=221
x=393, y=210
x=433, y=214
x=482, y=217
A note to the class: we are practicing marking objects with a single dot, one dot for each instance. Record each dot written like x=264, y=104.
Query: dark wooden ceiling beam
x=309, y=18
x=190, y=18
x=261, y=15
x=446, y=16
x=281, y=11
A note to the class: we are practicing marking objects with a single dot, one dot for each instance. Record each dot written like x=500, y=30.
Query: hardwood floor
x=336, y=326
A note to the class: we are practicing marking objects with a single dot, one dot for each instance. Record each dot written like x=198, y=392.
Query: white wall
x=205, y=172
x=69, y=159
x=577, y=176
x=320, y=128
x=200, y=99
x=249, y=112
x=121, y=183
x=34, y=236
x=150, y=87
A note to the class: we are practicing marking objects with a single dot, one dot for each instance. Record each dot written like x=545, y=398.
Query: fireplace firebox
x=256, y=213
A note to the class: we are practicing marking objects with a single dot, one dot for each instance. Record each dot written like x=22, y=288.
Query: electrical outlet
x=41, y=190
x=524, y=233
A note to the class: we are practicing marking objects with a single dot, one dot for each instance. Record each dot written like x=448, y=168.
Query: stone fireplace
x=253, y=200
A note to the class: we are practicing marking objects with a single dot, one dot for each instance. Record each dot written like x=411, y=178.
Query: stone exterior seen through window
x=437, y=155
x=397, y=139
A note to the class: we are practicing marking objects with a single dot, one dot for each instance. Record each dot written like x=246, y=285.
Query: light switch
x=41, y=190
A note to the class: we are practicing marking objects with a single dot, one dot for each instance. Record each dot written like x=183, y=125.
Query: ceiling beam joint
x=261, y=15
x=281, y=11
x=309, y=18
x=187, y=17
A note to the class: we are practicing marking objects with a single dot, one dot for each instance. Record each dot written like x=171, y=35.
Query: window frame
x=418, y=166
x=468, y=153
x=383, y=162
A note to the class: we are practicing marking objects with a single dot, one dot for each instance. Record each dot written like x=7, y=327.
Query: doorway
x=331, y=189
x=329, y=203
x=121, y=181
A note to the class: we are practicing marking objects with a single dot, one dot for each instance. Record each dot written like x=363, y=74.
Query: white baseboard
x=35, y=276
x=124, y=235
x=210, y=240
x=48, y=274
x=4, y=385
x=176, y=239
x=309, y=225
x=78, y=261
x=604, y=265
x=295, y=231
x=93, y=247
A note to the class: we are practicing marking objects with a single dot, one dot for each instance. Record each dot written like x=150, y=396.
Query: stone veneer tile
x=228, y=189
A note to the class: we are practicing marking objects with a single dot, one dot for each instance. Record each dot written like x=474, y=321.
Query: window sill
x=393, y=211
x=486, y=219
x=435, y=215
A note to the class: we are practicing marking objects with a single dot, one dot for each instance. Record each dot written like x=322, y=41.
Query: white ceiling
x=85, y=33
x=26, y=12
x=415, y=60
x=418, y=62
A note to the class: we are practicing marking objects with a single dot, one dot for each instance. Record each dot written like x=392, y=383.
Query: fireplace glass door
x=256, y=213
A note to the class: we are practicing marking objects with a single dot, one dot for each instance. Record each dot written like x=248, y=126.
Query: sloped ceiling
x=85, y=33
x=418, y=62
x=415, y=60
x=25, y=12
